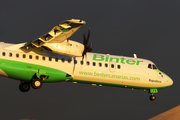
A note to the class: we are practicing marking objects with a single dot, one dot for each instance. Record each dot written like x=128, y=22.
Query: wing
x=58, y=34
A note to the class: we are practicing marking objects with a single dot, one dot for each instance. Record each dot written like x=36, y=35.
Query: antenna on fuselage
x=135, y=56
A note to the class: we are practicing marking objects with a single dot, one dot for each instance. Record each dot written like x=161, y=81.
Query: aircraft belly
x=26, y=71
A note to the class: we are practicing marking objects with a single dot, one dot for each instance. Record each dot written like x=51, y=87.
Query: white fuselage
x=95, y=68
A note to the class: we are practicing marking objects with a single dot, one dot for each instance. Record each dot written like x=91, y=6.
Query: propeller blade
x=84, y=40
x=87, y=48
x=88, y=36
x=90, y=45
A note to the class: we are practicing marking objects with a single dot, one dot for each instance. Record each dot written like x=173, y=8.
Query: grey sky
x=149, y=28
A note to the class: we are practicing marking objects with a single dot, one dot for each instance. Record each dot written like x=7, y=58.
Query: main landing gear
x=24, y=87
x=35, y=83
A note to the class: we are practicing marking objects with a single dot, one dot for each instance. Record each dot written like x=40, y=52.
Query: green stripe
x=26, y=71
x=116, y=85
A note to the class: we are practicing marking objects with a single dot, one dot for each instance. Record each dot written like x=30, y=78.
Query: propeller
x=87, y=48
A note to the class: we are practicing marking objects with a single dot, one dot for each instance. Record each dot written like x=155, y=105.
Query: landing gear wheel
x=152, y=97
x=36, y=83
x=24, y=87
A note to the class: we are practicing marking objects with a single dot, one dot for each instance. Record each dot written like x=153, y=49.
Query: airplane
x=54, y=58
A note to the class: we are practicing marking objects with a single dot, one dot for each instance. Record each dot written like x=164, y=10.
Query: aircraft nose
x=169, y=81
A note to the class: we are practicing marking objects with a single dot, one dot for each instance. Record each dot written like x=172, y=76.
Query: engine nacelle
x=68, y=47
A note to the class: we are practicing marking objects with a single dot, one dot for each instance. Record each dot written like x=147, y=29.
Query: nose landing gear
x=152, y=91
x=152, y=97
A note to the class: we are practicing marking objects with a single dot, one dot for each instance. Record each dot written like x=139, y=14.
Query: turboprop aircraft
x=53, y=58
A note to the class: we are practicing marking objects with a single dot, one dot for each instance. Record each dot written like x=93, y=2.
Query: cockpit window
x=152, y=66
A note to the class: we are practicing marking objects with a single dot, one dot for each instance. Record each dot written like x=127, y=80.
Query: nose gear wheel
x=152, y=97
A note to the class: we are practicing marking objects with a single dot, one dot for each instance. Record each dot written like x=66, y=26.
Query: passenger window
x=112, y=65
x=106, y=65
x=150, y=66
x=94, y=64
x=3, y=53
x=118, y=66
x=87, y=63
x=100, y=64
x=69, y=60
x=56, y=59
x=10, y=54
x=63, y=59
x=17, y=55
x=30, y=56
x=43, y=58
x=81, y=62
x=24, y=56
x=50, y=58
x=37, y=57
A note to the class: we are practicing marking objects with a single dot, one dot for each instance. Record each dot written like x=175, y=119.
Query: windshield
x=152, y=66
